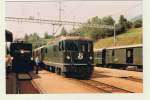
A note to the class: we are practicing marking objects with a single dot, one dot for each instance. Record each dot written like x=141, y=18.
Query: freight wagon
x=120, y=56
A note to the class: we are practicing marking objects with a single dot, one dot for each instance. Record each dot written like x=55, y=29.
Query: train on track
x=123, y=57
x=21, y=54
x=70, y=56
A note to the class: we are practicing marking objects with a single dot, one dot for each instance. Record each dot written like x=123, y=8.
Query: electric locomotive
x=70, y=56
x=21, y=54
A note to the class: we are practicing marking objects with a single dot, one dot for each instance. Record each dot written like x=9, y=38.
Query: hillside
x=132, y=36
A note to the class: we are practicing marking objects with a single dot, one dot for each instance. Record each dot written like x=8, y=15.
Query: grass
x=132, y=36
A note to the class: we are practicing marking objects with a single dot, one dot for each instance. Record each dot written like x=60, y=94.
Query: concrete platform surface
x=47, y=82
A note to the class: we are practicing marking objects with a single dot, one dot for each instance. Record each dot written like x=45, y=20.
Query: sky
x=77, y=11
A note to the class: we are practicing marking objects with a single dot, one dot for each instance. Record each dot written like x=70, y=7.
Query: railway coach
x=120, y=56
x=70, y=56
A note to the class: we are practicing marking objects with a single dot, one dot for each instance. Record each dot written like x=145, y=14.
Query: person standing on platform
x=37, y=61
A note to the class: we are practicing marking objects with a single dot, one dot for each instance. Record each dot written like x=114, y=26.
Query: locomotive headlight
x=80, y=56
x=91, y=57
x=31, y=58
x=68, y=57
x=22, y=51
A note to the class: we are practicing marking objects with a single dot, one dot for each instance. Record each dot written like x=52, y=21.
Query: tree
x=137, y=23
x=94, y=20
x=108, y=20
x=26, y=37
x=35, y=36
x=32, y=38
x=46, y=36
x=63, y=31
x=97, y=33
x=123, y=23
x=129, y=24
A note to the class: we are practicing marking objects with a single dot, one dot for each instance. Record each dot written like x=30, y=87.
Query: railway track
x=98, y=75
x=24, y=85
x=132, y=79
x=105, y=88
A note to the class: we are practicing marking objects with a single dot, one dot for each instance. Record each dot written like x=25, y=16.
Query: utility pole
x=53, y=29
x=73, y=25
x=114, y=35
x=59, y=15
x=60, y=10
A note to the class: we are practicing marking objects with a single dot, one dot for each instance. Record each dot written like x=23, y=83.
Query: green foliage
x=97, y=33
x=36, y=40
x=132, y=36
x=123, y=25
x=47, y=36
x=108, y=20
x=63, y=31
x=26, y=37
x=137, y=23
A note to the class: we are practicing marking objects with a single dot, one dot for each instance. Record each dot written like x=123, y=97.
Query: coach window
x=113, y=52
x=129, y=54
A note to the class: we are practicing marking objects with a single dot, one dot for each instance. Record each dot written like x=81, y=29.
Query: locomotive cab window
x=61, y=46
x=86, y=46
x=90, y=47
x=71, y=45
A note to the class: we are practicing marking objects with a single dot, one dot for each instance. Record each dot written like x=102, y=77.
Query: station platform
x=47, y=82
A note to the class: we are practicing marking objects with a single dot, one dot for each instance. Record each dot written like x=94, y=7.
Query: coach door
x=104, y=56
x=129, y=55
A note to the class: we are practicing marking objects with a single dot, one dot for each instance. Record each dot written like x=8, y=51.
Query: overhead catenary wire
x=17, y=1
x=30, y=1
x=57, y=1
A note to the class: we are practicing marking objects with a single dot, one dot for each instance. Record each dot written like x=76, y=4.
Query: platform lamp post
x=114, y=44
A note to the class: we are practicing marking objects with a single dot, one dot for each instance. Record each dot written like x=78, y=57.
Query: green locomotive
x=70, y=56
x=120, y=56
